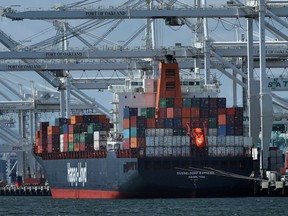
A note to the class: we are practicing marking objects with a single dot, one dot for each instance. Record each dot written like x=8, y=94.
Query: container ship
x=168, y=139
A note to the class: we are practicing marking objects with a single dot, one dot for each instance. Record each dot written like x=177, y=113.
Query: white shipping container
x=161, y=141
x=230, y=141
x=248, y=141
x=100, y=135
x=168, y=140
x=168, y=132
x=61, y=146
x=159, y=151
x=239, y=140
x=221, y=140
x=150, y=132
x=150, y=141
x=96, y=145
x=159, y=131
x=185, y=140
x=150, y=151
x=212, y=131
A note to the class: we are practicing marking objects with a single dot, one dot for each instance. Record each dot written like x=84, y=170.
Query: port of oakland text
x=77, y=174
x=64, y=54
x=106, y=13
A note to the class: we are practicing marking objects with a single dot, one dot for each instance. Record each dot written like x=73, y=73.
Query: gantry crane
x=237, y=60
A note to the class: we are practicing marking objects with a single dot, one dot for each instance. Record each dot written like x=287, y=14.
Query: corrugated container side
x=137, y=132
x=160, y=123
x=150, y=132
x=136, y=142
x=230, y=130
x=43, y=126
x=213, y=112
x=127, y=112
x=162, y=103
x=177, y=122
x=60, y=121
x=212, y=122
x=178, y=102
x=222, y=103
x=230, y=120
x=170, y=102
x=186, y=112
x=168, y=122
x=195, y=112
x=222, y=119
x=168, y=131
x=213, y=102
x=126, y=143
x=222, y=130
x=177, y=112
x=76, y=119
x=204, y=112
x=150, y=123
x=162, y=113
x=204, y=102
x=195, y=102
x=53, y=130
x=150, y=112
x=187, y=102
x=230, y=111
x=185, y=121
x=170, y=112
x=70, y=147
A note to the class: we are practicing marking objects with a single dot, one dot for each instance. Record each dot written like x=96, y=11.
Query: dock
x=11, y=190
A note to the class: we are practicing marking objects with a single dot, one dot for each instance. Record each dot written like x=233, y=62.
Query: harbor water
x=15, y=205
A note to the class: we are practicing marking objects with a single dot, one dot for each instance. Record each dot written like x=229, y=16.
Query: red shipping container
x=178, y=102
x=222, y=111
x=126, y=143
x=185, y=121
x=195, y=112
x=102, y=118
x=66, y=138
x=126, y=123
x=213, y=112
x=81, y=147
x=186, y=112
x=150, y=123
x=71, y=138
x=76, y=119
x=170, y=112
x=162, y=113
x=136, y=142
x=65, y=147
x=230, y=111
x=37, y=134
x=77, y=146
x=222, y=119
x=53, y=130
x=43, y=126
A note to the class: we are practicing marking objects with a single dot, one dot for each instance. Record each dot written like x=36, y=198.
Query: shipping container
x=195, y=102
x=128, y=112
x=51, y=130
x=187, y=102
x=150, y=123
x=76, y=119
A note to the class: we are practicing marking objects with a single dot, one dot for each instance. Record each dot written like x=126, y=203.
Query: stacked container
x=73, y=135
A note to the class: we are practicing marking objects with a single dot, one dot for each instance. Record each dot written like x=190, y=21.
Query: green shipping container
x=86, y=137
x=150, y=112
x=187, y=102
x=90, y=128
x=144, y=112
x=71, y=146
x=76, y=137
x=162, y=103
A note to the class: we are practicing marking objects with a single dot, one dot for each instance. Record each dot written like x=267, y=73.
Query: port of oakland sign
x=77, y=174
